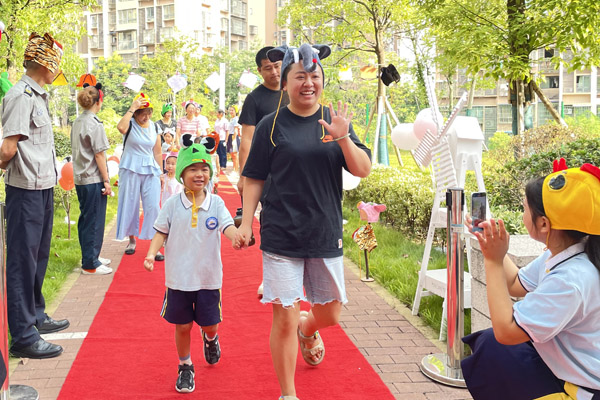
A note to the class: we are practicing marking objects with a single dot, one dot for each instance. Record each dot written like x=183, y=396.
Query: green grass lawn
x=395, y=264
x=65, y=252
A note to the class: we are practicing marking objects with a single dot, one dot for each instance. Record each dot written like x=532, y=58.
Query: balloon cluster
x=65, y=175
x=65, y=171
x=407, y=136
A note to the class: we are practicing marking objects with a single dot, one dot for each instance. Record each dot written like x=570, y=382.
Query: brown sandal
x=309, y=353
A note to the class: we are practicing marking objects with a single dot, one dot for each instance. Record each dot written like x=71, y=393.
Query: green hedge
x=407, y=194
x=506, y=184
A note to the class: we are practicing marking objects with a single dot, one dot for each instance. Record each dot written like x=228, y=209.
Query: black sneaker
x=212, y=349
x=185, y=381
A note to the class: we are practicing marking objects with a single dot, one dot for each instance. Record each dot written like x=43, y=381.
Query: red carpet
x=129, y=352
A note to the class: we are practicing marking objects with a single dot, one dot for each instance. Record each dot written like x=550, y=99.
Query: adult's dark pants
x=222, y=153
x=29, y=215
x=90, y=226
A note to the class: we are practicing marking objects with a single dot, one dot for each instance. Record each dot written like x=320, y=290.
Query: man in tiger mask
x=27, y=153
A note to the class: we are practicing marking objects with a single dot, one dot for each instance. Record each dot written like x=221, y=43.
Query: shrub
x=110, y=119
x=62, y=141
x=506, y=185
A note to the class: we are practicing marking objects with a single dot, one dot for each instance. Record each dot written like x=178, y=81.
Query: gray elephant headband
x=310, y=56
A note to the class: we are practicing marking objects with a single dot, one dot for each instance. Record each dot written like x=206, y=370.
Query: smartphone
x=478, y=209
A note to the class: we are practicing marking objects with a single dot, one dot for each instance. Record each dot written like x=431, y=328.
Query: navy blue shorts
x=495, y=371
x=202, y=306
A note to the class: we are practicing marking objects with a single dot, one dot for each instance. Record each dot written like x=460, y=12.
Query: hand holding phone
x=478, y=210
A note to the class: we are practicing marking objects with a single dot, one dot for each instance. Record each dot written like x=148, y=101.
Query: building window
x=548, y=53
x=150, y=14
x=168, y=11
x=505, y=114
x=148, y=36
x=128, y=16
x=224, y=24
x=130, y=59
x=238, y=27
x=242, y=45
x=550, y=82
x=583, y=84
x=94, y=42
x=238, y=8
x=582, y=111
x=94, y=21
x=127, y=40
x=253, y=30
x=166, y=34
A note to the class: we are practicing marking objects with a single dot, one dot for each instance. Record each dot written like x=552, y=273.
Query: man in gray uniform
x=27, y=153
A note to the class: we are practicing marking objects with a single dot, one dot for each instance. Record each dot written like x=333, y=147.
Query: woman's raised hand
x=136, y=104
x=340, y=121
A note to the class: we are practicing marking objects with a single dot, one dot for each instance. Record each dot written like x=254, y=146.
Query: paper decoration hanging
x=177, y=82
x=345, y=74
x=368, y=72
x=248, y=79
x=134, y=82
x=60, y=79
x=213, y=81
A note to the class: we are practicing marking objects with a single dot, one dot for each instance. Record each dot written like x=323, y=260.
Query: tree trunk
x=450, y=94
x=547, y=104
x=471, y=95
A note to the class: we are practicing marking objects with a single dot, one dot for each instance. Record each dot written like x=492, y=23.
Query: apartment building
x=572, y=93
x=135, y=28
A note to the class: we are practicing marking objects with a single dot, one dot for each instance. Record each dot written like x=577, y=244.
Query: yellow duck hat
x=571, y=198
x=145, y=101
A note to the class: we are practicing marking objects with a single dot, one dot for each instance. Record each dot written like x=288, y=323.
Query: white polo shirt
x=561, y=314
x=193, y=255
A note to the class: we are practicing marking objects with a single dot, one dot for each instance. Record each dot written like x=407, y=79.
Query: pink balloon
x=424, y=122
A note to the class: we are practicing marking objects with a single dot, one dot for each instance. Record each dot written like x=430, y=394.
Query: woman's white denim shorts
x=287, y=280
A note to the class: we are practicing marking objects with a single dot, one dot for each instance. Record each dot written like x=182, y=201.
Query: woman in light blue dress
x=139, y=174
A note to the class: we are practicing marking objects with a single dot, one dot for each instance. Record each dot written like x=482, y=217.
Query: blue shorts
x=287, y=279
x=202, y=306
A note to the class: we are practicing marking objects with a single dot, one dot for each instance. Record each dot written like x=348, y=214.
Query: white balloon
x=113, y=168
x=404, y=138
x=349, y=181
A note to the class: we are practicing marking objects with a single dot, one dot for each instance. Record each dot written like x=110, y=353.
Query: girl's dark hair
x=533, y=193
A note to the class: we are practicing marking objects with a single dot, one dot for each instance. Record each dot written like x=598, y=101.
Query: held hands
x=493, y=240
x=149, y=262
x=242, y=237
x=340, y=122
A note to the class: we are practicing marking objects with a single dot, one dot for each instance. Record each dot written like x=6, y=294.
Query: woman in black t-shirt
x=303, y=147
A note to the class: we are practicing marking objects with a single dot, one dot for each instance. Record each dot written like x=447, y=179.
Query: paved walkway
x=391, y=339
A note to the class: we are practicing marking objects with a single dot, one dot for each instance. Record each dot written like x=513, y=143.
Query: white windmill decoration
x=451, y=151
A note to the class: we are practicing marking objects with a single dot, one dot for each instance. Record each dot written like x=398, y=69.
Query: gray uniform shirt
x=87, y=139
x=25, y=112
